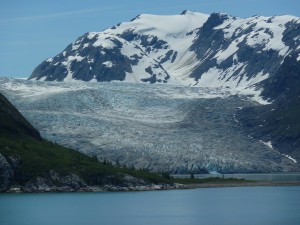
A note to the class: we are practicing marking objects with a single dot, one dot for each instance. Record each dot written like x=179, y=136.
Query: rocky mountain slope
x=278, y=122
x=30, y=164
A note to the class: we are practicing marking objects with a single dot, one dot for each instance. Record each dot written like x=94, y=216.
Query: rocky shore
x=106, y=188
x=11, y=180
x=242, y=184
x=41, y=186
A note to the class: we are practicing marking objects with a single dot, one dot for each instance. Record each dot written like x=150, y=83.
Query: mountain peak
x=187, y=12
x=221, y=16
x=135, y=18
x=184, y=12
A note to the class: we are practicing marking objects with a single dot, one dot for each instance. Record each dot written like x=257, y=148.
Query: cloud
x=58, y=15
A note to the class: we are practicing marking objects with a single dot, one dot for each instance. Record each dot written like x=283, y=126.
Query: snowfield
x=160, y=127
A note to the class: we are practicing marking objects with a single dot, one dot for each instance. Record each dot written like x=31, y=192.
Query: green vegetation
x=207, y=180
x=39, y=157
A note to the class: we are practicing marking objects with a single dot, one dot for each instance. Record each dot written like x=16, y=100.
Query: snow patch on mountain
x=266, y=31
x=163, y=26
x=291, y=158
x=222, y=55
x=49, y=60
x=104, y=41
x=108, y=64
x=176, y=38
x=67, y=63
x=269, y=144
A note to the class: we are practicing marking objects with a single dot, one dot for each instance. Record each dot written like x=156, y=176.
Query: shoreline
x=161, y=187
x=243, y=184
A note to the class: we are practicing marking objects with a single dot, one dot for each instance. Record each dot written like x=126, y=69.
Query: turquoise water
x=207, y=206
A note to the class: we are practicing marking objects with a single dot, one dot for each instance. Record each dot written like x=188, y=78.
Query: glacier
x=169, y=128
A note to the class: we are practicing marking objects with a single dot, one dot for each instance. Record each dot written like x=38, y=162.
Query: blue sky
x=33, y=30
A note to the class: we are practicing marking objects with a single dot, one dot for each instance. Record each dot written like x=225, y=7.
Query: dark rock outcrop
x=6, y=174
x=55, y=182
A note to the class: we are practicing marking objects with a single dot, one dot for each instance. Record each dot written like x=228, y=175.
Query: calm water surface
x=207, y=206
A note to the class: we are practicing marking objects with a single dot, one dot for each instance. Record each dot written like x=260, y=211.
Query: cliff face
x=12, y=177
x=6, y=174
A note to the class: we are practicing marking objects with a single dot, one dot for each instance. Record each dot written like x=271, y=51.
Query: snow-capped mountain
x=190, y=49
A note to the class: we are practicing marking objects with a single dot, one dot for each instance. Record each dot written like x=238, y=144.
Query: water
x=207, y=206
x=248, y=176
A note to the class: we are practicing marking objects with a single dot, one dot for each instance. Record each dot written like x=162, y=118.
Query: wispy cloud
x=123, y=8
x=58, y=15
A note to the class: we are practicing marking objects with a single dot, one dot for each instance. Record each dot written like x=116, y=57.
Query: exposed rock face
x=130, y=181
x=232, y=48
x=55, y=182
x=6, y=174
